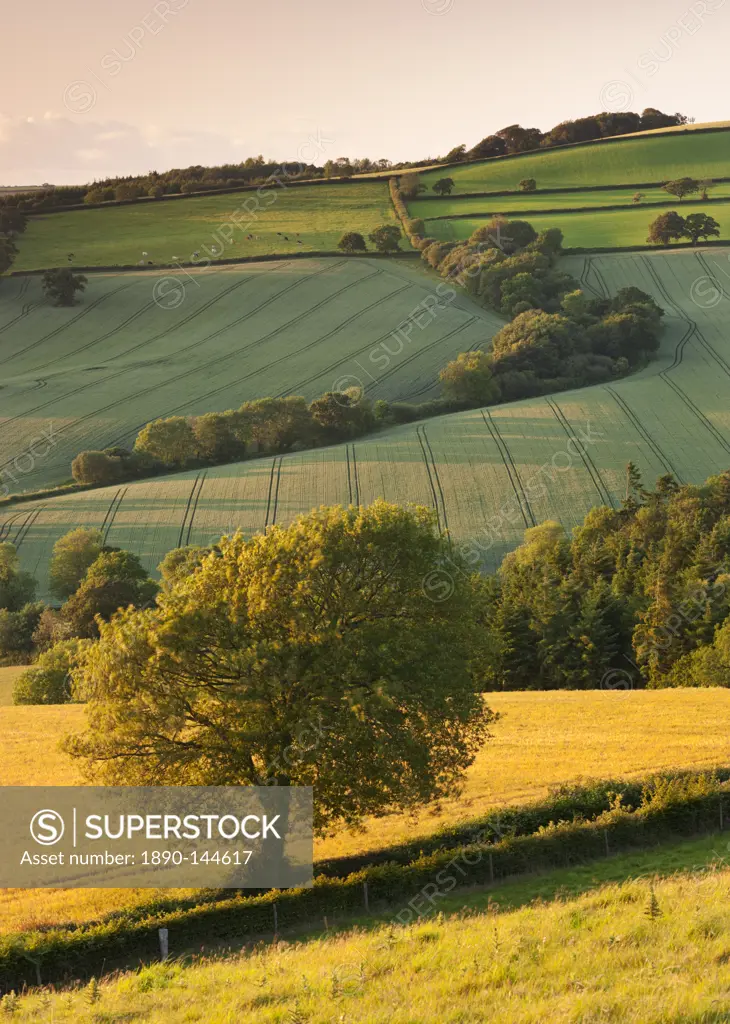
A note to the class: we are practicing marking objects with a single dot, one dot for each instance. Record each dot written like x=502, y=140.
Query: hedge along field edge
x=75, y=953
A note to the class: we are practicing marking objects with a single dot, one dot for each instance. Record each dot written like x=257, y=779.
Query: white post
x=164, y=945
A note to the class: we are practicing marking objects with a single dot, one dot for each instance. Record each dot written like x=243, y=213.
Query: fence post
x=164, y=943
x=491, y=868
x=276, y=921
x=605, y=839
x=722, y=826
x=365, y=893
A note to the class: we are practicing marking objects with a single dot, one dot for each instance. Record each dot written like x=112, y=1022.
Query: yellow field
x=541, y=739
x=8, y=675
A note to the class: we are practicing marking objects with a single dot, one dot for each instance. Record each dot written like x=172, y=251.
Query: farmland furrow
x=64, y=327
x=664, y=459
x=187, y=510
x=438, y=481
x=511, y=468
x=603, y=493
x=430, y=478
x=276, y=492
x=152, y=389
x=420, y=352
x=349, y=477
x=27, y=523
x=7, y=524
x=112, y=512
x=271, y=488
x=112, y=503
x=356, y=477
x=194, y=509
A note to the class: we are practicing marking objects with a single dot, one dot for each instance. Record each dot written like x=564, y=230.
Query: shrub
x=528, y=185
x=469, y=379
x=49, y=681
x=95, y=468
x=353, y=241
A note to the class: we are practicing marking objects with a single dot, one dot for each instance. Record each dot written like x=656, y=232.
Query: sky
x=90, y=90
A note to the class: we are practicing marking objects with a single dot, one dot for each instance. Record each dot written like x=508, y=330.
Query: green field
x=572, y=945
x=489, y=476
x=95, y=373
x=611, y=162
x=486, y=206
x=171, y=231
x=597, y=229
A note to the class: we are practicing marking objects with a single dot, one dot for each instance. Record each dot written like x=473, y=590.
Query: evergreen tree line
x=638, y=596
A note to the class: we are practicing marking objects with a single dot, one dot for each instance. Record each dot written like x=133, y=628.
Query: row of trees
x=385, y=238
x=516, y=139
x=265, y=425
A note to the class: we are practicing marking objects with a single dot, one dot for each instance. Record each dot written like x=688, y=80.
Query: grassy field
x=281, y=220
x=8, y=676
x=488, y=476
x=95, y=373
x=541, y=740
x=604, y=163
x=574, y=945
x=596, y=229
x=484, y=206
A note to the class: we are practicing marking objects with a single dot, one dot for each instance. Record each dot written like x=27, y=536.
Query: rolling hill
x=622, y=161
x=140, y=346
x=489, y=474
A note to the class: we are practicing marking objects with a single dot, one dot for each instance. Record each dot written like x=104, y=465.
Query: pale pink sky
x=93, y=89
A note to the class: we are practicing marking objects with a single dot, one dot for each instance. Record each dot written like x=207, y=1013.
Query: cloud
x=67, y=151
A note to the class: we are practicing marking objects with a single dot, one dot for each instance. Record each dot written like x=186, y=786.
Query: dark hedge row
x=77, y=952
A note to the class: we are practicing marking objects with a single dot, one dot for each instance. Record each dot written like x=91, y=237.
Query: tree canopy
x=308, y=656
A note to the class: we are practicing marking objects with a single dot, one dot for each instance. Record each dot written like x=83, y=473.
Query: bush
x=353, y=241
x=528, y=185
x=95, y=468
x=469, y=379
x=49, y=681
x=16, y=632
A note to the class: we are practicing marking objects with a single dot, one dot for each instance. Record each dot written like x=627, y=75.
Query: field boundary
x=574, y=209
x=233, y=261
x=556, y=191
x=79, y=951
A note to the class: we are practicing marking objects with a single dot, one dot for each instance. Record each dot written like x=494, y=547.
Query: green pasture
x=611, y=162
x=516, y=203
x=594, y=229
x=277, y=219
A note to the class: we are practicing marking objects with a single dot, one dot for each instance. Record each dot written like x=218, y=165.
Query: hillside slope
x=94, y=374
x=630, y=159
x=489, y=474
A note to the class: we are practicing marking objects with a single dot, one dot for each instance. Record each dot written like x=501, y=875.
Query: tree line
x=516, y=139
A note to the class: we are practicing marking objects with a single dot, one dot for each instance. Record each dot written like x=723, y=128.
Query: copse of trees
x=639, y=596
x=516, y=139
x=672, y=226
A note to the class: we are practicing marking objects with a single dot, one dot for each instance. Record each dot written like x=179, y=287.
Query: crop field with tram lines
x=488, y=474
x=96, y=373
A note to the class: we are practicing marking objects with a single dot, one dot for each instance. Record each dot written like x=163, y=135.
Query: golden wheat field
x=540, y=740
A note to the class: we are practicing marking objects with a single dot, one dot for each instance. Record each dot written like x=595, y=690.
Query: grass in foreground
x=592, y=953
x=542, y=739
x=316, y=216
x=647, y=158
x=596, y=229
